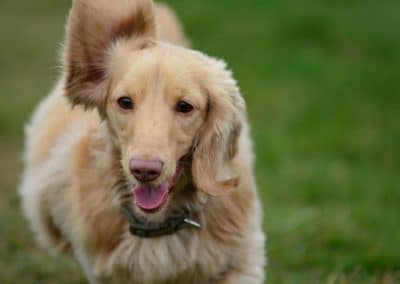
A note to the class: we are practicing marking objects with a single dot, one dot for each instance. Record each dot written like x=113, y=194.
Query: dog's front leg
x=249, y=270
x=239, y=277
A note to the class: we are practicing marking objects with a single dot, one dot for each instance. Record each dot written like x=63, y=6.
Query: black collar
x=172, y=225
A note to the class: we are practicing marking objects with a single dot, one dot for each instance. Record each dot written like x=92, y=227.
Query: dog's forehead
x=172, y=61
x=172, y=67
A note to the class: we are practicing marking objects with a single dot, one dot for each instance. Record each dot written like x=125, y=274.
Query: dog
x=139, y=164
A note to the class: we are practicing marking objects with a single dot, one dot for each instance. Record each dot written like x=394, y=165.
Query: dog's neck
x=182, y=219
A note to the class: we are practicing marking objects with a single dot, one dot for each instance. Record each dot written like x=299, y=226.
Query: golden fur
x=76, y=162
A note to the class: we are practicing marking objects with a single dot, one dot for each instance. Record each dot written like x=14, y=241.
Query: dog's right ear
x=94, y=28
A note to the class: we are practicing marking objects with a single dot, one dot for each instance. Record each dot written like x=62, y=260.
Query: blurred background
x=321, y=79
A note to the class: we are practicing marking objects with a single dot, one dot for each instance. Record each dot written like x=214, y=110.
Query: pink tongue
x=151, y=198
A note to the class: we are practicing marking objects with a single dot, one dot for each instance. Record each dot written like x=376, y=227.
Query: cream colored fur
x=76, y=174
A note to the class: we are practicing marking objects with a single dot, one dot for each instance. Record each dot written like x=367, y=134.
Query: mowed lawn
x=321, y=79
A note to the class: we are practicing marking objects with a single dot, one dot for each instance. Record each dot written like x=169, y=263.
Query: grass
x=321, y=82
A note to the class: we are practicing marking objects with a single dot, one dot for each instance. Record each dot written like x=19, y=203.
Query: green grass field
x=321, y=79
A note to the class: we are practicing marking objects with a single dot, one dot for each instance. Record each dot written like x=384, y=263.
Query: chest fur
x=181, y=258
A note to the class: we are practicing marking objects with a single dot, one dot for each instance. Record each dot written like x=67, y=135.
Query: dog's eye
x=125, y=103
x=184, y=107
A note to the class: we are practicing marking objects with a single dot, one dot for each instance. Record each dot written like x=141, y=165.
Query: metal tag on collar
x=192, y=223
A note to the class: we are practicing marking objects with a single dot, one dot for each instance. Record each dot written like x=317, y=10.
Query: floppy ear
x=213, y=165
x=94, y=28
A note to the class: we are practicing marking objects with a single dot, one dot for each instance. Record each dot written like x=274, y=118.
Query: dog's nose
x=146, y=171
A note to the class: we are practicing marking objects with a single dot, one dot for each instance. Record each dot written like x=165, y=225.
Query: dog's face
x=155, y=108
x=168, y=109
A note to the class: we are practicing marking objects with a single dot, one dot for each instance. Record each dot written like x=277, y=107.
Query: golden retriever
x=139, y=163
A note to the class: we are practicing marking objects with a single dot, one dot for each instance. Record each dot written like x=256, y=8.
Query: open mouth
x=151, y=199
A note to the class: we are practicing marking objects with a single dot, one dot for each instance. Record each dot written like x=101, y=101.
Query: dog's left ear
x=213, y=167
x=94, y=28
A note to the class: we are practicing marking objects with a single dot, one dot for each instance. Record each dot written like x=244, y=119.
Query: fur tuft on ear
x=213, y=167
x=93, y=28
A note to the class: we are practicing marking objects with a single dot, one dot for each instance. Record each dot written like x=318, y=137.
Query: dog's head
x=168, y=109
